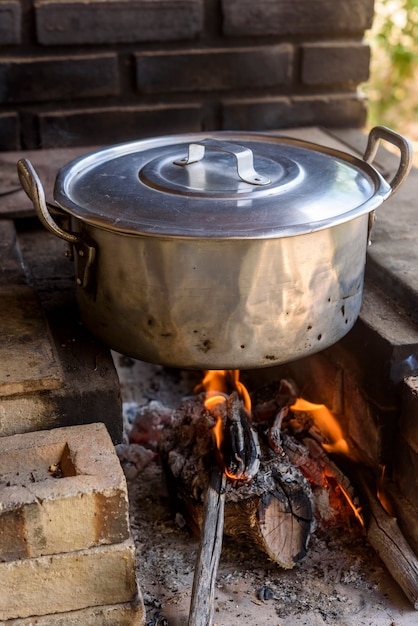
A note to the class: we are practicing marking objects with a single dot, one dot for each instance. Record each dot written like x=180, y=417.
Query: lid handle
x=243, y=156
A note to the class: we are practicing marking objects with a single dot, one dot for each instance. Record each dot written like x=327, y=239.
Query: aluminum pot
x=218, y=250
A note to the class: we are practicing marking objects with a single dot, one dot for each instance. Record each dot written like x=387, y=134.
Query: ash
x=341, y=581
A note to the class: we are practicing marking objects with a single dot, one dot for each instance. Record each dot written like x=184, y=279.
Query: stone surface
x=68, y=582
x=60, y=490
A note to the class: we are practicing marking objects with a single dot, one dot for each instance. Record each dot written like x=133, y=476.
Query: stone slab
x=61, y=490
x=15, y=203
x=126, y=614
x=28, y=360
x=11, y=268
x=38, y=281
x=68, y=582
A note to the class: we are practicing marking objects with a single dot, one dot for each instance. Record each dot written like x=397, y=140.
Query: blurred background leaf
x=393, y=85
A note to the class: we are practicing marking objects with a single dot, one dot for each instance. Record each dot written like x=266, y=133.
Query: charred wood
x=272, y=510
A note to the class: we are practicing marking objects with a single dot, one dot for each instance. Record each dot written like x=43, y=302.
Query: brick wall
x=80, y=72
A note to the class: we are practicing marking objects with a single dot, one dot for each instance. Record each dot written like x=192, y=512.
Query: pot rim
x=138, y=188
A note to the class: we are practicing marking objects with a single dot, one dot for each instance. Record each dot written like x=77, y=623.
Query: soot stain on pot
x=205, y=345
x=151, y=323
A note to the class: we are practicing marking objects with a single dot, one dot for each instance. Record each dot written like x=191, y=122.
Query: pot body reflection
x=224, y=304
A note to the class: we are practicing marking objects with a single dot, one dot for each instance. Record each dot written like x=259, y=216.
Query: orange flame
x=220, y=384
x=327, y=424
x=382, y=495
x=336, y=443
x=356, y=509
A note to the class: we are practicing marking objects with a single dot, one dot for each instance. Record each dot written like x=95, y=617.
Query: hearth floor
x=341, y=581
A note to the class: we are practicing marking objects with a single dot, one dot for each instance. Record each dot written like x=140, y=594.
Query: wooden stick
x=203, y=591
x=387, y=539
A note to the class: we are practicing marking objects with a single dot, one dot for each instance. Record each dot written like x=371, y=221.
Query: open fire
x=279, y=480
x=253, y=516
x=229, y=401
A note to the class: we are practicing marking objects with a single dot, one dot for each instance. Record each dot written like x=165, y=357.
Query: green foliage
x=393, y=86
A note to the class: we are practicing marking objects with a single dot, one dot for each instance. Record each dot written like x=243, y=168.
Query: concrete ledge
x=60, y=491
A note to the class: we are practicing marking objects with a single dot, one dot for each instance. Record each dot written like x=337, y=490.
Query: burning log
x=270, y=507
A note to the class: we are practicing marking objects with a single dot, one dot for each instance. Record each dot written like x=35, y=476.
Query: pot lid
x=221, y=185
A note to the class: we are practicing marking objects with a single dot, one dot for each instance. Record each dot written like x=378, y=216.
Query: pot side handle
x=405, y=148
x=32, y=185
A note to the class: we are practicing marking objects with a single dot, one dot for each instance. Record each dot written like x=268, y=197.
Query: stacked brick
x=83, y=72
x=66, y=554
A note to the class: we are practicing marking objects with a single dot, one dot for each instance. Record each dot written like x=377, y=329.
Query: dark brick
x=203, y=70
x=360, y=421
x=10, y=23
x=112, y=125
x=9, y=131
x=409, y=415
x=58, y=78
x=295, y=17
x=327, y=110
x=335, y=62
x=406, y=470
x=378, y=348
x=117, y=21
